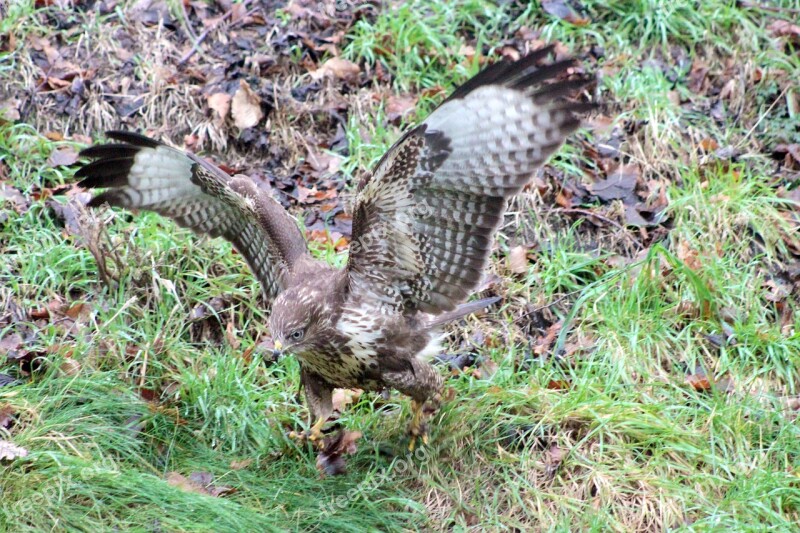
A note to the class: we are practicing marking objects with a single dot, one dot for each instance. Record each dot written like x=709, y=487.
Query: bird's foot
x=313, y=435
x=420, y=413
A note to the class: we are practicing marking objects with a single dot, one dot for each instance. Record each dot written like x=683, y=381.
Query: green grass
x=607, y=437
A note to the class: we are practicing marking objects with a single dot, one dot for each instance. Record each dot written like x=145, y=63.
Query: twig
x=187, y=22
x=199, y=40
x=586, y=212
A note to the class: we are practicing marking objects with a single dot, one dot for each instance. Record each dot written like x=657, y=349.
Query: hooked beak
x=278, y=349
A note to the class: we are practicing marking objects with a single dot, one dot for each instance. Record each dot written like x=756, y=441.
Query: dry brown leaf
x=10, y=451
x=9, y=109
x=220, y=103
x=397, y=107
x=562, y=10
x=558, y=384
x=518, y=260
x=784, y=28
x=16, y=198
x=338, y=68
x=708, y=145
x=341, y=398
x=230, y=336
x=79, y=311
x=553, y=459
x=241, y=464
x=10, y=343
x=246, y=107
x=544, y=342
x=62, y=157
x=6, y=415
x=70, y=367
x=185, y=484
x=689, y=256
x=699, y=381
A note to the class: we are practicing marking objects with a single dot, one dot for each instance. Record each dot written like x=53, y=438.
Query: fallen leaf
x=708, y=145
x=70, y=367
x=18, y=201
x=9, y=109
x=560, y=9
x=689, y=256
x=220, y=103
x=487, y=369
x=241, y=464
x=776, y=292
x=79, y=311
x=397, y=107
x=553, y=459
x=790, y=153
x=544, y=342
x=518, y=260
x=338, y=68
x=185, y=484
x=330, y=461
x=246, y=107
x=509, y=52
x=199, y=483
x=344, y=397
x=620, y=185
x=7, y=381
x=10, y=451
x=699, y=380
x=63, y=157
x=6, y=416
x=558, y=384
x=230, y=336
x=10, y=343
x=784, y=28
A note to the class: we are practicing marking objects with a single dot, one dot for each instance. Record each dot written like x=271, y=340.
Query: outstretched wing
x=423, y=222
x=141, y=173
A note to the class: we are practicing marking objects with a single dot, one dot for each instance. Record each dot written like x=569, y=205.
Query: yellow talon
x=313, y=435
x=417, y=427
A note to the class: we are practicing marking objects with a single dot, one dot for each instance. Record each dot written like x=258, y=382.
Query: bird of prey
x=423, y=224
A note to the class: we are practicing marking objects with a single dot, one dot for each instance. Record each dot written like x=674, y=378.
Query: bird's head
x=298, y=320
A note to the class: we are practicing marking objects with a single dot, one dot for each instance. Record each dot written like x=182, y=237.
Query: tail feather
x=462, y=311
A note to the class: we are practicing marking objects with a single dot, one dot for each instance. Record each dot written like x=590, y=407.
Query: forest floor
x=641, y=373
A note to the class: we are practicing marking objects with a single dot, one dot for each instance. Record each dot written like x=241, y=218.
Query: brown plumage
x=423, y=225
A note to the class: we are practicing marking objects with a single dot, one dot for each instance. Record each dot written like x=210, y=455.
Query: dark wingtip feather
x=102, y=198
x=501, y=72
x=558, y=89
x=525, y=78
x=112, y=150
x=130, y=137
x=580, y=108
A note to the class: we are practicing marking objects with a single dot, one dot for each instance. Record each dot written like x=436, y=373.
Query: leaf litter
x=237, y=107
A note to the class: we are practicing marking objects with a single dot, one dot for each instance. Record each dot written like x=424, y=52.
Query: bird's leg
x=424, y=385
x=319, y=400
x=417, y=427
x=315, y=433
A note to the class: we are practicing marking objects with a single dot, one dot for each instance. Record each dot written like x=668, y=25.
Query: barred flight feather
x=459, y=166
x=146, y=174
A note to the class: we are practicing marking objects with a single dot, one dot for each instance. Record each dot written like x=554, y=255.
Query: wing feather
x=425, y=219
x=143, y=174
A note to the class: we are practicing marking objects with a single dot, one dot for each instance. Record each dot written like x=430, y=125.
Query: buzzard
x=423, y=223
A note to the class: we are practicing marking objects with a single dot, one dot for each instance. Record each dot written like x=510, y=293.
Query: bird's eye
x=296, y=335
